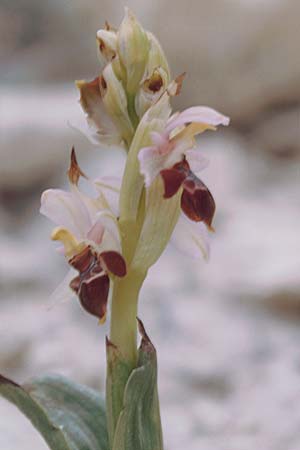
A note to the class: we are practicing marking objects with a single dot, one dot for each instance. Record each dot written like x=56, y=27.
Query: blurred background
x=227, y=332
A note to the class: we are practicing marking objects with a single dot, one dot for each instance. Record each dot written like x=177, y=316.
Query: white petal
x=97, y=137
x=196, y=160
x=151, y=163
x=67, y=210
x=96, y=233
x=63, y=292
x=160, y=140
x=111, y=237
x=191, y=238
x=90, y=205
x=179, y=150
x=199, y=114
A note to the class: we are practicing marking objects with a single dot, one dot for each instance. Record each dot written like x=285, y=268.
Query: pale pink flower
x=174, y=157
x=89, y=232
x=177, y=141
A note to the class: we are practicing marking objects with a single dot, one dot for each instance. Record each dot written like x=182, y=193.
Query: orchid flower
x=88, y=231
x=172, y=156
x=188, y=237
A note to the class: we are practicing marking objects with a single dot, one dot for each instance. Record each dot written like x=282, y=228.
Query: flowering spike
x=112, y=238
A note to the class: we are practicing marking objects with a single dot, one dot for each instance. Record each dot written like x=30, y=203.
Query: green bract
x=115, y=101
x=133, y=48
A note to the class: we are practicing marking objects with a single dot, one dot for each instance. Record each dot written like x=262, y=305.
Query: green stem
x=123, y=324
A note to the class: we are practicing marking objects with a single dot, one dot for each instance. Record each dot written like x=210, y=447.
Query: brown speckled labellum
x=172, y=179
x=92, y=283
x=93, y=294
x=197, y=202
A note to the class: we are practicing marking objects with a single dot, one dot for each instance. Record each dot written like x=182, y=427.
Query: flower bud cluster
x=134, y=73
x=122, y=231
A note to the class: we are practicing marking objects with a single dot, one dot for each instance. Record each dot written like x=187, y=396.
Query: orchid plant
x=112, y=238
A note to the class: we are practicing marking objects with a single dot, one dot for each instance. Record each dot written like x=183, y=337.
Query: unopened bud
x=118, y=68
x=115, y=101
x=133, y=50
x=157, y=57
x=107, y=46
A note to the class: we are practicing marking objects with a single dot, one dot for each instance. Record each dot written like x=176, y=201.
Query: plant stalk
x=123, y=324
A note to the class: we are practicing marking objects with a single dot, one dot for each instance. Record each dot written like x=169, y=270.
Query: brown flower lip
x=92, y=283
x=197, y=202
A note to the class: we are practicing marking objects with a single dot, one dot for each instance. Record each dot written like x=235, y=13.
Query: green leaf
x=68, y=415
x=118, y=371
x=139, y=425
